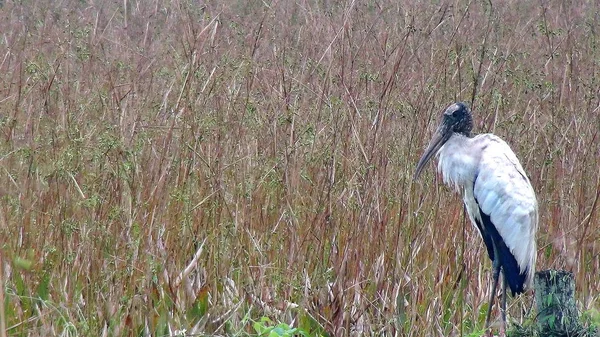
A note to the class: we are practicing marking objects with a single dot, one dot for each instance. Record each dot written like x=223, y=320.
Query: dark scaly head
x=456, y=119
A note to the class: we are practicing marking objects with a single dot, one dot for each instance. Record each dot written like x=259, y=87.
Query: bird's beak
x=440, y=137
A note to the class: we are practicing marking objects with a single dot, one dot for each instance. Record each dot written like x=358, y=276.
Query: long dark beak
x=440, y=137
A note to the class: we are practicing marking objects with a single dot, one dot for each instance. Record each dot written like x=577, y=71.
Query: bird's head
x=456, y=119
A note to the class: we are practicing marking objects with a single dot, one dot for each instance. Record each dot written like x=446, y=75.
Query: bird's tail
x=518, y=281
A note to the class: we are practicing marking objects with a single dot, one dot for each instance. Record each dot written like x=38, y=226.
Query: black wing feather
x=508, y=263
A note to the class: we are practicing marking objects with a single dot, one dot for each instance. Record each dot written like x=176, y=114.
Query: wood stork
x=497, y=194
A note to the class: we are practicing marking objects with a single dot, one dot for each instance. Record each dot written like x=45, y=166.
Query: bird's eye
x=457, y=112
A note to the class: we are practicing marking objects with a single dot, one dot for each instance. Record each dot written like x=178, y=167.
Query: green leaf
x=42, y=289
x=22, y=263
x=200, y=305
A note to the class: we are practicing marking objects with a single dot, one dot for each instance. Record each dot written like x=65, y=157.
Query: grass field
x=210, y=167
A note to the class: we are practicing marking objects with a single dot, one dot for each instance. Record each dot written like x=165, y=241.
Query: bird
x=497, y=194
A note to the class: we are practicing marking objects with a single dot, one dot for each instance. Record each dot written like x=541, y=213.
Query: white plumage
x=497, y=194
x=502, y=191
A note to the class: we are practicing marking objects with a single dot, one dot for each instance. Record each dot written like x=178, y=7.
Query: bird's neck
x=467, y=134
x=457, y=161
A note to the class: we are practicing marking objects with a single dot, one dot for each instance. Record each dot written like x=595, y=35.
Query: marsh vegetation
x=186, y=167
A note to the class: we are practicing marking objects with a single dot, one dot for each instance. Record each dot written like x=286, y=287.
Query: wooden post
x=555, y=301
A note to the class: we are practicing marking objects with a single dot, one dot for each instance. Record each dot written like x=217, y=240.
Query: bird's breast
x=457, y=162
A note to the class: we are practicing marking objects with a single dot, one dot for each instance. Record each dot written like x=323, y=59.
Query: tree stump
x=555, y=301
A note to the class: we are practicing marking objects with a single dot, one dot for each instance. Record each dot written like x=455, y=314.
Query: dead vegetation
x=190, y=167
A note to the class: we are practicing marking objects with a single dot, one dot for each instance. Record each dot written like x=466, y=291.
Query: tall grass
x=190, y=167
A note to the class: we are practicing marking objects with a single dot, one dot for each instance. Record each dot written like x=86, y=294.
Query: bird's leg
x=503, y=306
x=496, y=274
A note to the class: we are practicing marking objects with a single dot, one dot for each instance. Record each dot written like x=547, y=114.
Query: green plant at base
x=265, y=327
